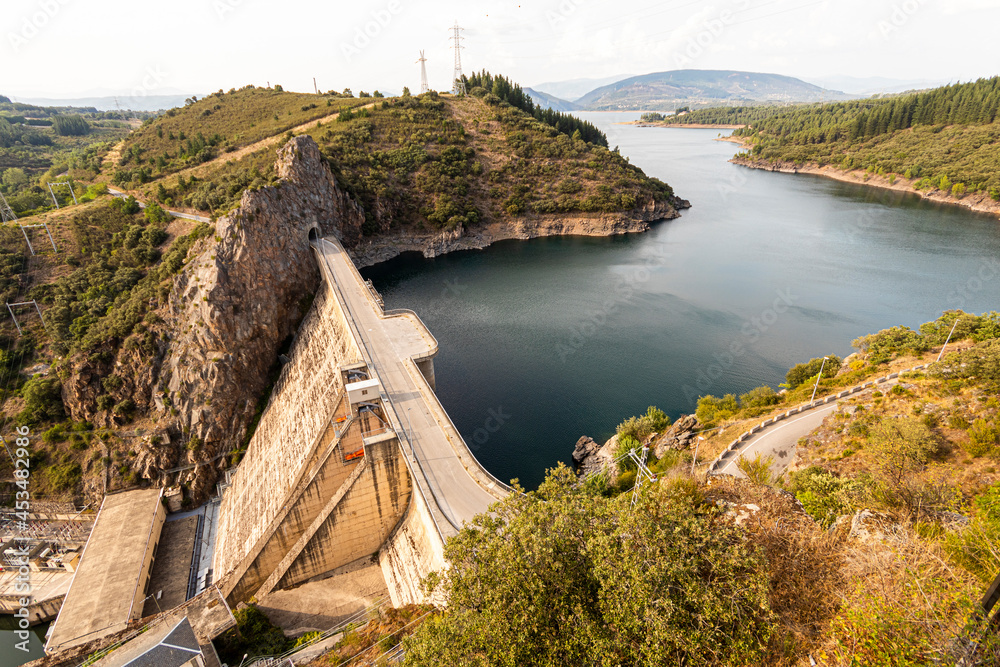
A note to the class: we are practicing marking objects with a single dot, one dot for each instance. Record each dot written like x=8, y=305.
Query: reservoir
x=546, y=340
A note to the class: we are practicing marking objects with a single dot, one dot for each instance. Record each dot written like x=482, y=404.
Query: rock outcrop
x=431, y=244
x=239, y=298
x=589, y=458
x=681, y=435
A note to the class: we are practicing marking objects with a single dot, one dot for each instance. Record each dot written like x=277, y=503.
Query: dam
x=354, y=456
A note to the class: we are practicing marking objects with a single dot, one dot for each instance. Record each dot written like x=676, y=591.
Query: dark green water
x=13, y=657
x=546, y=340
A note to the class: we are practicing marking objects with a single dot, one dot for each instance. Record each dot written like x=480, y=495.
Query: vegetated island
x=941, y=144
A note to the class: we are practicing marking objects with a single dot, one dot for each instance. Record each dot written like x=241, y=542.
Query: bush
x=64, y=476
x=42, y=400
x=640, y=428
x=983, y=438
x=154, y=213
x=800, y=373
x=711, y=410
x=254, y=635
x=757, y=469
x=558, y=577
x=823, y=495
x=975, y=547
x=760, y=397
x=885, y=345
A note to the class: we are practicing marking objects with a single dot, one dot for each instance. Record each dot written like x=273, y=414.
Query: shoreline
x=481, y=236
x=683, y=126
x=980, y=203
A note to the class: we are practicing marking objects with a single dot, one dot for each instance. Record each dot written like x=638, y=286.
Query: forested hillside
x=944, y=139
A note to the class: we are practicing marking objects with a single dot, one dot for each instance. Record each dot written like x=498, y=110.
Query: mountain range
x=665, y=91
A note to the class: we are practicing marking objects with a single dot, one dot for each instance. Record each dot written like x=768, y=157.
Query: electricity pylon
x=423, y=73
x=458, y=86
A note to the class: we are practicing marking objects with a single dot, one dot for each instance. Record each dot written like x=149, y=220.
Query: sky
x=69, y=48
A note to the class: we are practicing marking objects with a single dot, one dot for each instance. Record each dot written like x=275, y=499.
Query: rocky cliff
x=241, y=295
x=431, y=244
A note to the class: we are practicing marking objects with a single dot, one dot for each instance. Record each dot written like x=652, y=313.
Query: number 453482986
x=22, y=461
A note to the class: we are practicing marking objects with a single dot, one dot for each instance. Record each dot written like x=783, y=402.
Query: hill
x=41, y=144
x=941, y=143
x=547, y=101
x=665, y=91
x=414, y=163
x=574, y=89
x=431, y=171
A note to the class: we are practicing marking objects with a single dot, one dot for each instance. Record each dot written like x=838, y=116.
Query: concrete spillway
x=326, y=481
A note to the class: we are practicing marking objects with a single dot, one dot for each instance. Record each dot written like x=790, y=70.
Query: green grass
x=434, y=162
x=215, y=125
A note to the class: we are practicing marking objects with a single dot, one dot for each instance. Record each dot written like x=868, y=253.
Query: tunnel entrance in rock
x=314, y=234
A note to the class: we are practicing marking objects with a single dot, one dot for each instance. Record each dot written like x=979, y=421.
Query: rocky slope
x=238, y=299
x=981, y=202
x=431, y=244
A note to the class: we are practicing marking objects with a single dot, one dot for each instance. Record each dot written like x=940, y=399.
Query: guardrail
x=734, y=448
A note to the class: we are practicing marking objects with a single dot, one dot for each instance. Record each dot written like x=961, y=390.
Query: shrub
x=823, y=495
x=712, y=410
x=757, y=469
x=559, y=577
x=639, y=428
x=42, y=400
x=983, y=438
x=808, y=371
x=885, y=345
x=64, y=476
x=760, y=397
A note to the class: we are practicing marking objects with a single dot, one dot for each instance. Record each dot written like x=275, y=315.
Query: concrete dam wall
x=324, y=483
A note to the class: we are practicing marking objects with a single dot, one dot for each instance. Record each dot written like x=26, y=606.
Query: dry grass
x=806, y=565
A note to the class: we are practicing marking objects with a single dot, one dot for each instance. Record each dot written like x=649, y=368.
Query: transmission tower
x=423, y=73
x=5, y=213
x=458, y=86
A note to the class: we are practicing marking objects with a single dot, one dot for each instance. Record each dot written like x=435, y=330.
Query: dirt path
x=240, y=153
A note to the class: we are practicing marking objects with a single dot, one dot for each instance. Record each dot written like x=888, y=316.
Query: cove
x=546, y=340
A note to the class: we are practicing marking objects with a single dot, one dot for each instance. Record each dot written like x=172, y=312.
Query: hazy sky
x=64, y=48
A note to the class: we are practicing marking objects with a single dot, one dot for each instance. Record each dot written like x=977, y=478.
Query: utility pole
x=458, y=86
x=315, y=87
x=423, y=73
x=818, y=376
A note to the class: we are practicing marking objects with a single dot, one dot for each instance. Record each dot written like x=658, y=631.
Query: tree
x=42, y=400
x=70, y=126
x=560, y=577
x=759, y=397
x=406, y=91
x=800, y=373
x=14, y=179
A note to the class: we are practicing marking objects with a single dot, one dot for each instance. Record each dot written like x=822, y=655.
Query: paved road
x=779, y=440
x=388, y=342
x=177, y=214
